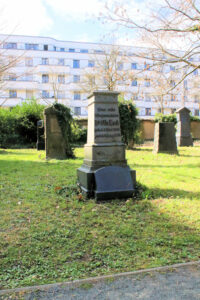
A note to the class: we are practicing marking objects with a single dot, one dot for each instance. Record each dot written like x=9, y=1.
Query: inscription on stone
x=107, y=123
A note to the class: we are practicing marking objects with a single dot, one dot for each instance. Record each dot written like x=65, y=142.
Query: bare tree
x=175, y=24
x=107, y=71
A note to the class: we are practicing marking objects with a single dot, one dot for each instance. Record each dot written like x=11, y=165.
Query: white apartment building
x=49, y=70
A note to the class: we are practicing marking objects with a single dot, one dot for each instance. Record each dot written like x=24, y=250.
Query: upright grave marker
x=183, y=135
x=54, y=141
x=164, y=138
x=104, y=149
x=40, y=145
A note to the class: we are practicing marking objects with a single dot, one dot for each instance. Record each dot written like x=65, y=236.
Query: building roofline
x=64, y=41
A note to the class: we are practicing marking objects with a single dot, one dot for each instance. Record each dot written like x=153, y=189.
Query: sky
x=69, y=20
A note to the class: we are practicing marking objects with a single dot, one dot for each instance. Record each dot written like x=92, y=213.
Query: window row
x=46, y=47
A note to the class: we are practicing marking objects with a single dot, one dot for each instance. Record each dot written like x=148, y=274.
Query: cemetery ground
x=50, y=233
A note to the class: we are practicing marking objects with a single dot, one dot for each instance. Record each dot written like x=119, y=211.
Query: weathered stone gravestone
x=183, y=135
x=40, y=145
x=55, y=145
x=164, y=138
x=105, y=173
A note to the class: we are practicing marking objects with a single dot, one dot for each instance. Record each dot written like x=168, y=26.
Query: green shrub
x=8, y=134
x=27, y=114
x=79, y=134
x=165, y=118
x=128, y=121
x=194, y=118
x=18, y=126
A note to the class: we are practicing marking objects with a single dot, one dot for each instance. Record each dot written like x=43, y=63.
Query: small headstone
x=113, y=182
x=183, y=135
x=104, y=146
x=40, y=145
x=164, y=138
x=54, y=141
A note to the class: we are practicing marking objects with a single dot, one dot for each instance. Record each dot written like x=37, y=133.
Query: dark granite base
x=86, y=180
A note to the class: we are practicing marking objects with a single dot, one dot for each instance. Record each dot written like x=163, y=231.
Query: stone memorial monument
x=40, y=145
x=54, y=141
x=164, y=138
x=183, y=135
x=105, y=173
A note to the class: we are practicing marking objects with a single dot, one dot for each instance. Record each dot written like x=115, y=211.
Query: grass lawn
x=48, y=233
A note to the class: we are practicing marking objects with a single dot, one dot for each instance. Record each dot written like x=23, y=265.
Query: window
x=196, y=112
x=76, y=64
x=29, y=94
x=134, y=82
x=54, y=48
x=76, y=78
x=62, y=49
x=172, y=68
x=45, y=94
x=31, y=46
x=99, y=51
x=77, y=96
x=173, y=98
x=77, y=110
x=185, y=84
x=29, y=62
x=134, y=66
x=61, y=95
x=196, y=99
x=147, y=66
x=61, y=78
x=10, y=45
x=61, y=61
x=71, y=50
x=12, y=94
x=148, y=111
x=147, y=83
x=120, y=66
x=45, y=47
x=195, y=72
x=12, y=77
x=147, y=97
x=135, y=96
x=45, y=78
x=91, y=63
x=28, y=77
x=172, y=83
x=45, y=61
x=84, y=50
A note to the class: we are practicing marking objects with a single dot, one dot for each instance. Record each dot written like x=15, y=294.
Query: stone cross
x=183, y=135
x=104, y=146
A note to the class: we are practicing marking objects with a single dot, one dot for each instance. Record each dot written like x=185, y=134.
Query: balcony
x=52, y=69
x=21, y=85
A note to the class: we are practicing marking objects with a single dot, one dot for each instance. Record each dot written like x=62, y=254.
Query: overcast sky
x=72, y=20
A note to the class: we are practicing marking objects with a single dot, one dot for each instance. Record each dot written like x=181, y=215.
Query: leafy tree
x=128, y=122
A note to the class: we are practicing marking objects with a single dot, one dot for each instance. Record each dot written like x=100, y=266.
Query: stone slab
x=113, y=182
x=164, y=138
x=55, y=145
x=183, y=134
x=40, y=145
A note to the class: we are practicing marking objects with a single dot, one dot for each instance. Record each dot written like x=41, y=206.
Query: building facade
x=47, y=70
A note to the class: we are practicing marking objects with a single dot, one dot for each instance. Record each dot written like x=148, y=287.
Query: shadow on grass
x=175, y=193
x=167, y=166
x=7, y=152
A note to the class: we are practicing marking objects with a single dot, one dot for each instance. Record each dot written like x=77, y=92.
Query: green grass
x=48, y=235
